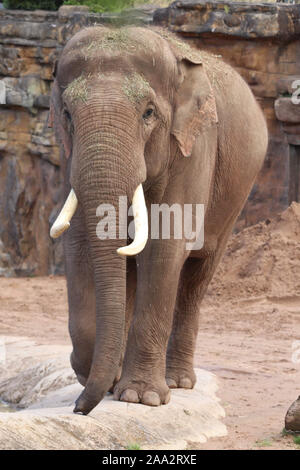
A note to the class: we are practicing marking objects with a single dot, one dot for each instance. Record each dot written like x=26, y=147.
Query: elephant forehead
x=131, y=39
x=127, y=49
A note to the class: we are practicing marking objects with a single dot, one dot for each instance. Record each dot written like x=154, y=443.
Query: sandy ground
x=246, y=342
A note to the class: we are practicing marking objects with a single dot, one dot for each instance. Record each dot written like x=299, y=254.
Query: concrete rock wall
x=261, y=41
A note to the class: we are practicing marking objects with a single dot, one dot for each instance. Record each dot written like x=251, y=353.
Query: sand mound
x=263, y=259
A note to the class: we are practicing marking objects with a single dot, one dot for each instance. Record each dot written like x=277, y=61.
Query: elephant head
x=123, y=102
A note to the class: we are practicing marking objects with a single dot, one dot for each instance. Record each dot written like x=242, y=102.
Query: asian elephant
x=140, y=113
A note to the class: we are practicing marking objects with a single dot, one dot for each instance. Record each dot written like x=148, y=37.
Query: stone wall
x=30, y=179
x=261, y=41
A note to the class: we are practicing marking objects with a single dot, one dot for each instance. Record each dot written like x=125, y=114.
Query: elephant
x=140, y=113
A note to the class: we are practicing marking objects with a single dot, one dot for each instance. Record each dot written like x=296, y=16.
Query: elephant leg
x=194, y=279
x=81, y=297
x=180, y=353
x=143, y=374
x=130, y=299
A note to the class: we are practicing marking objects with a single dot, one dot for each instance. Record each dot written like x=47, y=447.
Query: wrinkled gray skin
x=138, y=106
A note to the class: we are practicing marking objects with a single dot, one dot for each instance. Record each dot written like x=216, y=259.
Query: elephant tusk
x=141, y=225
x=62, y=222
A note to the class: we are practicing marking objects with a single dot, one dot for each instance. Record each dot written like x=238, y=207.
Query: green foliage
x=33, y=4
x=296, y=440
x=101, y=6
x=133, y=446
x=97, y=6
x=263, y=443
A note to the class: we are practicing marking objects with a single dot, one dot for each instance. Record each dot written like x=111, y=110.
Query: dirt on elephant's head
x=77, y=90
x=263, y=259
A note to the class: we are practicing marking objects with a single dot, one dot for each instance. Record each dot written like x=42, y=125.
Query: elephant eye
x=148, y=113
x=67, y=114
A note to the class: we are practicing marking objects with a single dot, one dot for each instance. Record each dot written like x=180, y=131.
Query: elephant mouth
x=62, y=223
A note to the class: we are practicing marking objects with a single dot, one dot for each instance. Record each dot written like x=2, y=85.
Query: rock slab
x=48, y=389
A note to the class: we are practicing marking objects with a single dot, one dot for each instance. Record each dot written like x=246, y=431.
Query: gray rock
x=2, y=92
x=242, y=19
x=292, y=418
x=293, y=139
x=191, y=416
x=285, y=84
x=25, y=91
x=36, y=382
x=49, y=391
x=286, y=110
x=6, y=265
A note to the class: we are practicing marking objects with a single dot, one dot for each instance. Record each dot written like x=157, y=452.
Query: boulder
x=292, y=418
x=286, y=110
x=48, y=390
x=192, y=416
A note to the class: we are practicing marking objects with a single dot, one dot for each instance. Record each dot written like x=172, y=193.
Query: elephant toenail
x=171, y=383
x=130, y=396
x=185, y=383
x=167, y=399
x=151, y=399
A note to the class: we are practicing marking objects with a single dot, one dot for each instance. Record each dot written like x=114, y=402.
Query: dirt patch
x=114, y=40
x=135, y=88
x=34, y=307
x=262, y=260
x=77, y=90
x=249, y=328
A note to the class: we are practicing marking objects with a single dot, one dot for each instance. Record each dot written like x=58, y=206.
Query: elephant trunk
x=110, y=291
x=107, y=164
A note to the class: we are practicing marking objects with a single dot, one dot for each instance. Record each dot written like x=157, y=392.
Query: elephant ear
x=195, y=105
x=57, y=120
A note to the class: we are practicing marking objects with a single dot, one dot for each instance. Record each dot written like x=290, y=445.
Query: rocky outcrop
x=29, y=157
x=260, y=40
x=30, y=177
x=287, y=111
x=45, y=386
x=242, y=19
x=287, y=108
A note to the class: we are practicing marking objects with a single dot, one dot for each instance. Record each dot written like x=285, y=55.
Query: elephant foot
x=179, y=378
x=136, y=391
